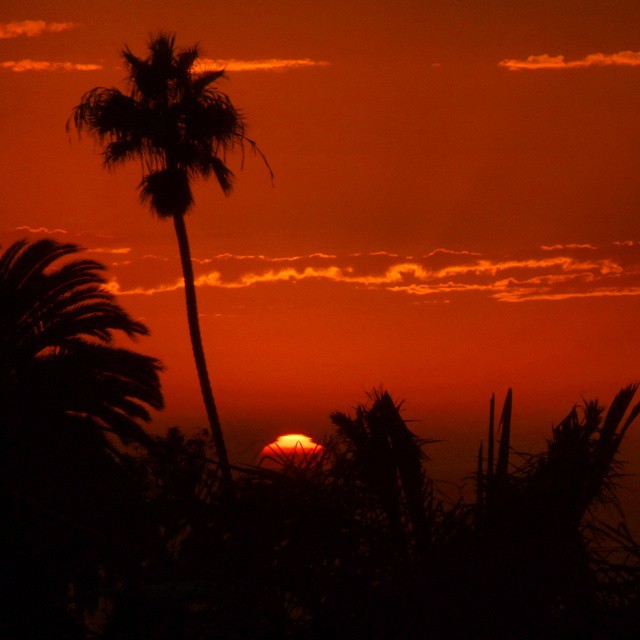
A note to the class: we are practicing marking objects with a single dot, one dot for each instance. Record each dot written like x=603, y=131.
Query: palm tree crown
x=172, y=119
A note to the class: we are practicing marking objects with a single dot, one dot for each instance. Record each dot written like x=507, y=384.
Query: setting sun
x=291, y=448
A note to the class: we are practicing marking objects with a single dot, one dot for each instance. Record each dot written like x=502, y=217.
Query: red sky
x=455, y=209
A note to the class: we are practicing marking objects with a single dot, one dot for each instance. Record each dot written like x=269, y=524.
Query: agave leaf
x=502, y=465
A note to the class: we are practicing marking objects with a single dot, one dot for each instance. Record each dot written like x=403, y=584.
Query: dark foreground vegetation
x=109, y=532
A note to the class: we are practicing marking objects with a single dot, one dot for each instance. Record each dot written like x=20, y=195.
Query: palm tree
x=180, y=126
x=71, y=512
x=57, y=329
x=388, y=457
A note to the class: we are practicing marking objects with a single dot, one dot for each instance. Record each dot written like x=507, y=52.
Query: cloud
x=561, y=247
x=40, y=229
x=519, y=296
x=32, y=28
x=612, y=270
x=385, y=254
x=545, y=61
x=109, y=250
x=262, y=258
x=492, y=267
x=435, y=252
x=271, y=64
x=446, y=287
x=46, y=65
x=114, y=287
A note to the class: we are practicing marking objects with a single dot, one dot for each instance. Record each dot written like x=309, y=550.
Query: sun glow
x=292, y=448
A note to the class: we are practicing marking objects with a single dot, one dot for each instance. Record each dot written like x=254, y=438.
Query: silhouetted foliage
x=357, y=542
x=56, y=343
x=70, y=513
x=362, y=544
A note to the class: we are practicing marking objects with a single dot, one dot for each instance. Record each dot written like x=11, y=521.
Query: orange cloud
x=46, y=65
x=39, y=229
x=113, y=286
x=32, y=28
x=271, y=64
x=560, y=247
x=385, y=254
x=526, y=295
x=232, y=256
x=116, y=250
x=436, y=252
x=545, y=61
x=493, y=267
x=445, y=287
x=537, y=277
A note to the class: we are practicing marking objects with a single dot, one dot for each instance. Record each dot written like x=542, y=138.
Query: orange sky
x=455, y=208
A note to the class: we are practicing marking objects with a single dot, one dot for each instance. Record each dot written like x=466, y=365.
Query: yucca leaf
x=502, y=464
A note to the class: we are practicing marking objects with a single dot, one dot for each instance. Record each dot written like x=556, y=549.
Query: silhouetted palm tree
x=56, y=342
x=388, y=456
x=70, y=511
x=180, y=127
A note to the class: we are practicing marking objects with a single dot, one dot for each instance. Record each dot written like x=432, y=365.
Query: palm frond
x=204, y=79
x=56, y=343
x=121, y=151
x=167, y=192
x=207, y=165
x=184, y=60
x=108, y=113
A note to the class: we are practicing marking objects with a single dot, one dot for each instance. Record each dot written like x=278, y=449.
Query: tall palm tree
x=180, y=126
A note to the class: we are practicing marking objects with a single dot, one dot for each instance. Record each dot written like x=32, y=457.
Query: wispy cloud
x=114, y=287
x=111, y=250
x=571, y=271
x=493, y=267
x=562, y=247
x=452, y=252
x=40, y=229
x=545, y=61
x=385, y=254
x=32, y=28
x=270, y=64
x=523, y=296
x=46, y=65
x=262, y=258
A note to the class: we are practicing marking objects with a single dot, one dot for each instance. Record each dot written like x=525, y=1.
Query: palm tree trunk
x=198, y=354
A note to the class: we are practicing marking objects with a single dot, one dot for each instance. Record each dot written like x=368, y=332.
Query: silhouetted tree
x=536, y=514
x=180, y=126
x=388, y=458
x=57, y=330
x=71, y=515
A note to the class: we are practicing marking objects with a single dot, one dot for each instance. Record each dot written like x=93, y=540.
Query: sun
x=291, y=449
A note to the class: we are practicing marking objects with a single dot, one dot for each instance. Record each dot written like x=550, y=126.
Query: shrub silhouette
x=364, y=544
